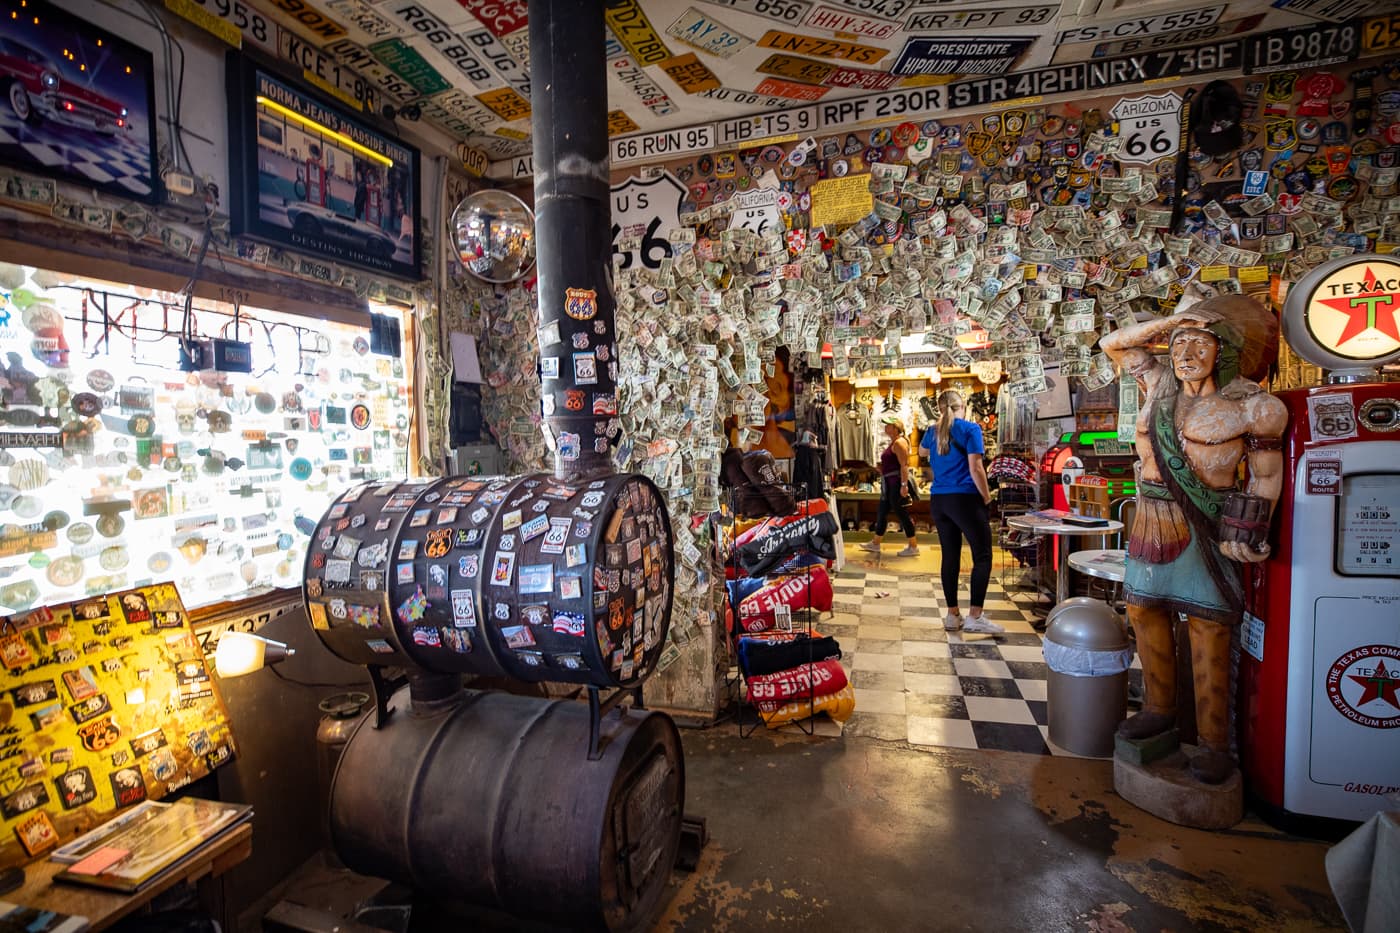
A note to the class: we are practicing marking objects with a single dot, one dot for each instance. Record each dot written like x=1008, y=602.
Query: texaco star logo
x=1372, y=308
x=1364, y=686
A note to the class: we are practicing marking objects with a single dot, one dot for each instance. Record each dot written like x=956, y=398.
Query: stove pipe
x=573, y=231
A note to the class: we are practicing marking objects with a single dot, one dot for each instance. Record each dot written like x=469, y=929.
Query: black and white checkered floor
x=119, y=163
x=918, y=683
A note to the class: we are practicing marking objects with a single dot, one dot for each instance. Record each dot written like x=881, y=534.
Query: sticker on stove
x=1364, y=686
x=1324, y=476
x=1332, y=417
x=1251, y=635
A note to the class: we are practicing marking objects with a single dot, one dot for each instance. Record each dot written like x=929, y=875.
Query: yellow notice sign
x=1250, y=275
x=220, y=28
x=690, y=73
x=505, y=103
x=841, y=201
x=1214, y=273
x=619, y=122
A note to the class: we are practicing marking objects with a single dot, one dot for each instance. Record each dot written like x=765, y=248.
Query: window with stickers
x=118, y=469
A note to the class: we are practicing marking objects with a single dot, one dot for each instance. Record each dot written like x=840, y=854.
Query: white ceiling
x=681, y=63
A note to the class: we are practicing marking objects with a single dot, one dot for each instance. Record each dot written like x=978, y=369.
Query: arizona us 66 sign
x=1150, y=127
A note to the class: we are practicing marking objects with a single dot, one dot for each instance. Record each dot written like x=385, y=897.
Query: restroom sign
x=1150, y=127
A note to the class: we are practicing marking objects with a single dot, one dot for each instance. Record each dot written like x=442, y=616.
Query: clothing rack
x=737, y=681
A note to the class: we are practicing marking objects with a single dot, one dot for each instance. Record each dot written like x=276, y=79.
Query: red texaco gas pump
x=1319, y=711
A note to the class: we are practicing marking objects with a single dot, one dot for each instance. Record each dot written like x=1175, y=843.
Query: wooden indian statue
x=1204, y=415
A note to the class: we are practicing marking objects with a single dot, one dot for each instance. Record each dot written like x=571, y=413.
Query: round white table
x=1106, y=564
x=1044, y=526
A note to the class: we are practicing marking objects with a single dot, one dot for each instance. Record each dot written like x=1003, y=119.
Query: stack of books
x=132, y=850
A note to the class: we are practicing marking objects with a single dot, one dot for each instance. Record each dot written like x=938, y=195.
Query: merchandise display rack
x=740, y=680
x=1023, y=555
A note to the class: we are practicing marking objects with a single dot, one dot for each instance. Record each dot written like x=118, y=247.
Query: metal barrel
x=494, y=802
x=528, y=577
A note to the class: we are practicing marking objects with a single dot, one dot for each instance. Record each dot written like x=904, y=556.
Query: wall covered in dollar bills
x=1029, y=231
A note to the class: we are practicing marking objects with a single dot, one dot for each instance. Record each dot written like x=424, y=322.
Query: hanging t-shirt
x=950, y=472
x=853, y=438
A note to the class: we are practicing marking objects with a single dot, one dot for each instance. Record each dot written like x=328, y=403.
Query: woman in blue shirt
x=958, y=502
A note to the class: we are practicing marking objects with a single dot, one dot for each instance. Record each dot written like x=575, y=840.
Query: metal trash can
x=1088, y=653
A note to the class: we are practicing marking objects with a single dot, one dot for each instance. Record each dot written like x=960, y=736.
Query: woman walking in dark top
x=958, y=501
x=894, y=484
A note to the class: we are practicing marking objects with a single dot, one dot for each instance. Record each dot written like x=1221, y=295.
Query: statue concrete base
x=1166, y=789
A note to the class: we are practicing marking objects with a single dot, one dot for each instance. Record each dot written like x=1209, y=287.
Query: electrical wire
x=313, y=683
x=187, y=326
x=174, y=93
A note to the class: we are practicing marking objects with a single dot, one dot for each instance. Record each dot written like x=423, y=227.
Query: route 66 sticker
x=1332, y=417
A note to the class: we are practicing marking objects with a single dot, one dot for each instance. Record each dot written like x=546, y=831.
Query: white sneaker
x=952, y=621
x=908, y=552
x=869, y=546
x=981, y=625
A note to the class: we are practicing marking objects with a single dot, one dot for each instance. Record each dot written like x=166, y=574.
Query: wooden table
x=104, y=908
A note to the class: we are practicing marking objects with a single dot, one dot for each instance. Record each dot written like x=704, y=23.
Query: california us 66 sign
x=1150, y=127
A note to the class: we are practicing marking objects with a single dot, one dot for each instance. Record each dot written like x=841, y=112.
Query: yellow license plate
x=822, y=48
x=505, y=103
x=635, y=31
x=690, y=73
x=1380, y=33
x=798, y=69
x=619, y=122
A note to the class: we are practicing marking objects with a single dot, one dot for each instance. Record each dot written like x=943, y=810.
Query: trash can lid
x=1090, y=624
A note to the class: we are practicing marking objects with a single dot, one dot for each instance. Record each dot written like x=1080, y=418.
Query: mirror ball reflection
x=494, y=233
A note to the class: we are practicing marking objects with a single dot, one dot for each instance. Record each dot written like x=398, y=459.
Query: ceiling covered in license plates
x=713, y=69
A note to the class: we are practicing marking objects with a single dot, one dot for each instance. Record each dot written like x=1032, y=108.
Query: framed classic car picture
x=79, y=102
x=306, y=175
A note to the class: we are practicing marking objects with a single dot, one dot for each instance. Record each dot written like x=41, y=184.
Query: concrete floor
x=862, y=833
x=857, y=833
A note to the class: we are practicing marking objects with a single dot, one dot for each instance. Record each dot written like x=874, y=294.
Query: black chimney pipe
x=573, y=231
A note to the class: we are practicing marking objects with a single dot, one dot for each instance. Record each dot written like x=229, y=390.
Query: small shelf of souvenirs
x=779, y=582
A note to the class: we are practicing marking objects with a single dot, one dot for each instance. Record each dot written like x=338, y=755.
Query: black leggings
x=891, y=492
x=957, y=515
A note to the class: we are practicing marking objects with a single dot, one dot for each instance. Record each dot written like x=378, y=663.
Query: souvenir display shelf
x=114, y=704
x=117, y=469
x=807, y=723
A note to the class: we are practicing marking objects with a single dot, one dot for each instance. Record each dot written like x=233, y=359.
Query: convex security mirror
x=494, y=234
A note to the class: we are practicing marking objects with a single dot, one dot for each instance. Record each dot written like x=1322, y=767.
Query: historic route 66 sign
x=643, y=212
x=1150, y=126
